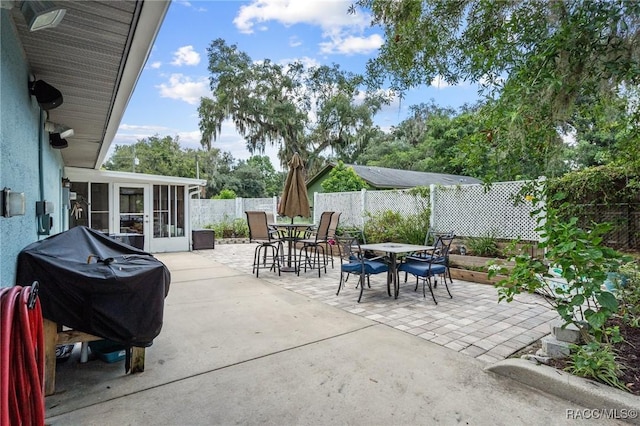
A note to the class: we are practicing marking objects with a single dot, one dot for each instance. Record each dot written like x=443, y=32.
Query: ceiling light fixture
x=41, y=14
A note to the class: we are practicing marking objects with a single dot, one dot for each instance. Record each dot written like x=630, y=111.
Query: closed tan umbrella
x=295, y=201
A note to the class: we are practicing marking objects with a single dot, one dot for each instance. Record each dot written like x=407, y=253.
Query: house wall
x=22, y=142
x=315, y=187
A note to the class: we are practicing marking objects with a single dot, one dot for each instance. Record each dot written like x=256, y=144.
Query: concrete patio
x=236, y=349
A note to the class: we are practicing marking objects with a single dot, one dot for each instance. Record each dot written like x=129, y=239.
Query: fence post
x=239, y=207
x=432, y=202
x=315, y=204
x=274, y=209
x=363, y=204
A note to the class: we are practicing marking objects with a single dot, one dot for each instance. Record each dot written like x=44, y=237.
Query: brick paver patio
x=472, y=322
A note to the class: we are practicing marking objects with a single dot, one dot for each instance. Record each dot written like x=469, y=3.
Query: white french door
x=132, y=210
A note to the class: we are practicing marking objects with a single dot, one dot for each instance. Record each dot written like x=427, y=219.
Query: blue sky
x=317, y=32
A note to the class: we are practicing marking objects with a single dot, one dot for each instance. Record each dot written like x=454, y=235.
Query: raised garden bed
x=473, y=269
x=474, y=276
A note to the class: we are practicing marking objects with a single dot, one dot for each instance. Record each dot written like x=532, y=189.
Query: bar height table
x=289, y=232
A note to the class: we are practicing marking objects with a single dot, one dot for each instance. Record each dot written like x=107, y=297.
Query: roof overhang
x=94, y=57
x=76, y=174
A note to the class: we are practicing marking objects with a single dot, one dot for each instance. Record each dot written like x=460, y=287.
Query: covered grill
x=97, y=285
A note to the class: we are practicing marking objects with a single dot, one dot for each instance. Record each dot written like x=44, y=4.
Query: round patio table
x=289, y=232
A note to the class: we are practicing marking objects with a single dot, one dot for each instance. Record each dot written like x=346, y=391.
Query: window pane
x=131, y=210
x=160, y=225
x=100, y=197
x=160, y=211
x=164, y=197
x=79, y=213
x=179, y=213
x=100, y=222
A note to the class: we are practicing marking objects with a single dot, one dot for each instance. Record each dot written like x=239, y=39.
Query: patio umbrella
x=295, y=201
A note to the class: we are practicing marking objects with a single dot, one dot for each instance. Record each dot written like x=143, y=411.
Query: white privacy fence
x=207, y=212
x=468, y=210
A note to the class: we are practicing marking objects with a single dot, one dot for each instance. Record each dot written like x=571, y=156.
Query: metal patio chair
x=353, y=261
x=312, y=252
x=260, y=233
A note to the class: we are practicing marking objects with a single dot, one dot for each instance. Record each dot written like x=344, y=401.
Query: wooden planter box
x=474, y=276
x=458, y=271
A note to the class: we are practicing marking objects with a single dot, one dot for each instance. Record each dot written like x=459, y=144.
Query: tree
x=270, y=104
x=602, y=132
x=154, y=155
x=343, y=179
x=225, y=194
x=534, y=59
x=342, y=123
x=273, y=181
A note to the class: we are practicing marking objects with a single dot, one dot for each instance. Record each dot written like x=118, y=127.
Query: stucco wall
x=21, y=139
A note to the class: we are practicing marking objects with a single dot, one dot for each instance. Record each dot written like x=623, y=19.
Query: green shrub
x=230, y=228
x=582, y=259
x=240, y=228
x=392, y=226
x=225, y=194
x=596, y=361
x=485, y=245
x=627, y=291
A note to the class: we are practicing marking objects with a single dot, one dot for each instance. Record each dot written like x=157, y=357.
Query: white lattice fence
x=398, y=201
x=473, y=211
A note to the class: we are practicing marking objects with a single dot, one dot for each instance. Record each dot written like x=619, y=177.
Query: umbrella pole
x=290, y=247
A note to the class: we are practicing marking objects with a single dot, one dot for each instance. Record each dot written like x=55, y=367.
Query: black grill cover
x=118, y=294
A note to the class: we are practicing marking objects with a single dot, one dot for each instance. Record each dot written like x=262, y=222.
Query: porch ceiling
x=94, y=57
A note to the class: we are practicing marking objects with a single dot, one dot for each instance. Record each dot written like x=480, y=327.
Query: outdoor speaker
x=48, y=97
x=57, y=142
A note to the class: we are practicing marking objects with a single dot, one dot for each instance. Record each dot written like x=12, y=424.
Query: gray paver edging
x=586, y=393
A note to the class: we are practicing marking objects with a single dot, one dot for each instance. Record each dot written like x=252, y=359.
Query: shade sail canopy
x=295, y=201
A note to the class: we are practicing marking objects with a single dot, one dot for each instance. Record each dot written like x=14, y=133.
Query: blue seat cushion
x=421, y=269
x=370, y=267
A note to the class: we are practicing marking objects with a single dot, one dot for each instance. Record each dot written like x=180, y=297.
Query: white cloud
x=189, y=5
x=343, y=31
x=352, y=45
x=305, y=60
x=128, y=134
x=295, y=41
x=155, y=65
x=439, y=83
x=185, y=88
x=190, y=139
x=146, y=129
x=185, y=55
x=323, y=13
